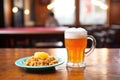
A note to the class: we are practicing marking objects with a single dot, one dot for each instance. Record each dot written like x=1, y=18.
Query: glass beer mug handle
x=93, y=44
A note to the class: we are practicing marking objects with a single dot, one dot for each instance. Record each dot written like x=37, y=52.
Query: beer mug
x=75, y=43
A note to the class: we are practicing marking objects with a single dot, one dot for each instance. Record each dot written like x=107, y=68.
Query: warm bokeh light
x=50, y=6
x=27, y=12
x=15, y=9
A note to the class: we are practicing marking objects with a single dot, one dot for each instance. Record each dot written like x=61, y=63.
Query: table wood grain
x=102, y=64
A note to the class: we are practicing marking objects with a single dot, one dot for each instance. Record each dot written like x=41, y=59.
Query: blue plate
x=21, y=63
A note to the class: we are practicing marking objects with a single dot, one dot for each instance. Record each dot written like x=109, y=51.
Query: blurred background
x=100, y=17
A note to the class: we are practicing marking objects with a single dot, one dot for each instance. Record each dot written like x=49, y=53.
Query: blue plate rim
x=20, y=63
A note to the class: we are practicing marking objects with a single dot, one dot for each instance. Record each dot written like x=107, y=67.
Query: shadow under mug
x=76, y=50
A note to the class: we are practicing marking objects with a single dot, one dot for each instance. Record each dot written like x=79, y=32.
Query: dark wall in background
x=1, y=14
x=1, y=20
x=18, y=19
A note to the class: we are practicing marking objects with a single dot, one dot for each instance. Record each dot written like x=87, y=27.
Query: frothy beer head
x=75, y=33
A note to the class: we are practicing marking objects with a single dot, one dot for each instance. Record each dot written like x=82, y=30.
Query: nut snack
x=41, y=59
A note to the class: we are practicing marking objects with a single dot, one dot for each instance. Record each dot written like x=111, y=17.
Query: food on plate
x=41, y=59
x=41, y=55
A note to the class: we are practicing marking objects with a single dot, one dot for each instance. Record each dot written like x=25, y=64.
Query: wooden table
x=102, y=64
x=30, y=37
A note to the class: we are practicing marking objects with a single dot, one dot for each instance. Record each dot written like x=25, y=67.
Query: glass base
x=76, y=65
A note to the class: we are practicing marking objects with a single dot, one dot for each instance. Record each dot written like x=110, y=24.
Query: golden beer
x=75, y=48
x=75, y=44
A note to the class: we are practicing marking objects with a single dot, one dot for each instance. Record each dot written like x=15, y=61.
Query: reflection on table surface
x=102, y=64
